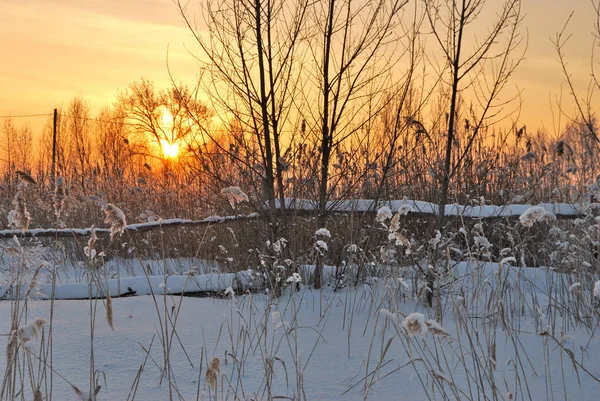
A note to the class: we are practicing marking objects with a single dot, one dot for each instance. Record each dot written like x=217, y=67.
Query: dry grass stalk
x=211, y=379
x=215, y=365
x=11, y=347
x=21, y=336
x=33, y=282
x=109, y=310
x=90, y=249
x=59, y=197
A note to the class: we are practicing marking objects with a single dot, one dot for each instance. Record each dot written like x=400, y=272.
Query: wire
x=115, y=119
x=27, y=115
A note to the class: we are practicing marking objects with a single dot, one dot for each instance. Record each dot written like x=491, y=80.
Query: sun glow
x=170, y=150
x=166, y=117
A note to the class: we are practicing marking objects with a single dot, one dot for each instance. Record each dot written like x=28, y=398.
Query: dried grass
x=211, y=379
x=215, y=365
x=59, y=197
x=109, y=310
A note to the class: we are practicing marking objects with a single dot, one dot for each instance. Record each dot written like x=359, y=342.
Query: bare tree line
x=321, y=100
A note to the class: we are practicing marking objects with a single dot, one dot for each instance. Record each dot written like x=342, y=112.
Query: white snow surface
x=333, y=351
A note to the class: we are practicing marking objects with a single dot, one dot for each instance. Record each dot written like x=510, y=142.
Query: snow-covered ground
x=512, y=333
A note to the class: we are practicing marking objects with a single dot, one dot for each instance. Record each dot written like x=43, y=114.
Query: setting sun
x=170, y=150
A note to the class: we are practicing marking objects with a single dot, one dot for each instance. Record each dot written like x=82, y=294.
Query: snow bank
x=140, y=285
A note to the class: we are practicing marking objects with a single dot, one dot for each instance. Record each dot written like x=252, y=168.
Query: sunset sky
x=55, y=49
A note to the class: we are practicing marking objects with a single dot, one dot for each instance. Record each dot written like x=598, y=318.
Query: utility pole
x=53, y=172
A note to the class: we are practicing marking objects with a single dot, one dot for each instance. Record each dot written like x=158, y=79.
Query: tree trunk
x=268, y=162
x=326, y=139
x=443, y=200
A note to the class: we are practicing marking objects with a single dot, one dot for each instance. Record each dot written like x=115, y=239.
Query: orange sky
x=55, y=49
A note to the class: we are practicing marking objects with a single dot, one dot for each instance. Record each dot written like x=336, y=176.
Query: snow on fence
x=560, y=210
x=131, y=228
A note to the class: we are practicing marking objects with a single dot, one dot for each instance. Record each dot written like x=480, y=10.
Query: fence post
x=53, y=171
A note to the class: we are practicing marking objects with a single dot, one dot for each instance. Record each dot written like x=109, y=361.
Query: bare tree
x=401, y=118
x=80, y=142
x=23, y=144
x=583, y=103
x=162, y=116
x=9, y=131
x=111, y=142
x=478, y=65
x=16, y=148
x=253, y=59
x=354, y=55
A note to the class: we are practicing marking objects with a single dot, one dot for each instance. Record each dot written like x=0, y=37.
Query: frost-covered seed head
x=323, y=232
x=405, y=209
x=294, y=278
x=535, y=214
x=215, y=365
x=383, y=214
x=234, y=195
x=415, y=324
x=116, y=218
x=435, y=328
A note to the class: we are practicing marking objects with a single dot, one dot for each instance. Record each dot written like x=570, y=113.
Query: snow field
x=511, y=334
